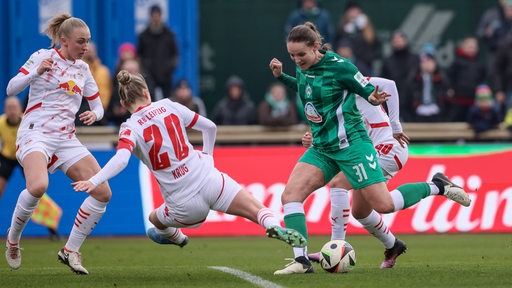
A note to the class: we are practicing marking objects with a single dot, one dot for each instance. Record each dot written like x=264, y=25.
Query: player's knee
x=102, y=193
x=37, y=188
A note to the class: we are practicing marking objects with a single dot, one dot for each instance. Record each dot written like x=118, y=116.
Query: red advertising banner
x=264, y=172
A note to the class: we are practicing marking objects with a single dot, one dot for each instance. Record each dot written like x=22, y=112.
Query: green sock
x=414, y=192
x=297, y=221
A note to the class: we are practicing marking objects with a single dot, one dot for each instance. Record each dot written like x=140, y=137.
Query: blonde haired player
x=190, y=184
x=46, y=139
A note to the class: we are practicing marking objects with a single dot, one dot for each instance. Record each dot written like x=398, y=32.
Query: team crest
x=311, y=113
x=309, y=91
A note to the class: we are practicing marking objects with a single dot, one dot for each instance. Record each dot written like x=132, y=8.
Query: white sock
x=86, y=219
x=267, y=218
x=24, y=208
x=398, y=199
x=376, y=226
x=172, y=233
x=340, y=211
x=434, y=190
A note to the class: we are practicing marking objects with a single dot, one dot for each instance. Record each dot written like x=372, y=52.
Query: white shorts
x=392, y=157
x=217, y=194
x=60, y=153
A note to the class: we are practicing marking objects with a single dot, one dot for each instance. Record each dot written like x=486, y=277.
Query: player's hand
x=402, y=138
x=45, y=66
x=307, y=140
x=88, y=117
x=276, y=67
x=85, y=186
x=377, y=98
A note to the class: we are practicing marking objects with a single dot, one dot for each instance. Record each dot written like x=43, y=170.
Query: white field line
x=247, y=277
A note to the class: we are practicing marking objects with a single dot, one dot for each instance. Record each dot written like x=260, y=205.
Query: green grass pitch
x=454, y=260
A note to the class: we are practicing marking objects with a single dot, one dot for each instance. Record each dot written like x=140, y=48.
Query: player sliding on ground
x=188, y=180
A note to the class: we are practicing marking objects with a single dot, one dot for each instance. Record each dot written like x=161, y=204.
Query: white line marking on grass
x=247, y=277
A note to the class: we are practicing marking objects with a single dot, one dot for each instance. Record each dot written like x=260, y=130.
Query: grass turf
x=459, y=260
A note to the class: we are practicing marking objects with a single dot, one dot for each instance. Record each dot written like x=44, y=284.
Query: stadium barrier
x=257, y=134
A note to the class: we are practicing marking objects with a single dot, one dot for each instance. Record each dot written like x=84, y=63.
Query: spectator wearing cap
x=483, y=115
x=158, y=52
x=465, y=73
x=399, y=67
x=429, y=89
x=126, y=51
x=236, y=107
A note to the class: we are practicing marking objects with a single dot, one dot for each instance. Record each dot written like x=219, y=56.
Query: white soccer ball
x=337, y=256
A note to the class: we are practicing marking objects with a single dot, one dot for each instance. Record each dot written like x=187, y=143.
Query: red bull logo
x=71, y=88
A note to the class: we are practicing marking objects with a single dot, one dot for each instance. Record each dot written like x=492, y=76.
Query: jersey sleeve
x=127, y=138
x=389, y=86
x=350, y=78
x=26, y=74
x=289, y=81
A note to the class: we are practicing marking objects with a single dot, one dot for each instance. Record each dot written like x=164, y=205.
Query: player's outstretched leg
x=452, y=191
x=290, y=236
x=153, y=235
x=391, y=254
x=73, y=260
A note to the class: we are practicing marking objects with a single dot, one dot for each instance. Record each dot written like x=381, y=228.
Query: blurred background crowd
x=451, y=63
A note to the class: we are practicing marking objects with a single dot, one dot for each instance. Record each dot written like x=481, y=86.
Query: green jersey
x=327, y=92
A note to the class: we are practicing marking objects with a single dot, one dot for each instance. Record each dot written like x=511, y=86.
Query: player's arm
x=277, y=70
x=115, y=165
x=34, y=67
x=208, y=130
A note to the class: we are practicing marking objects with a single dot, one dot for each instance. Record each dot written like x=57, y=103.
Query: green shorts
x=358, y=162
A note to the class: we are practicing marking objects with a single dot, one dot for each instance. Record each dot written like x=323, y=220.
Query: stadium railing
x=257, y=134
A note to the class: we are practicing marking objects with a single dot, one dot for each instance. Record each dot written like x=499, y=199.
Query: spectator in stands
x=465, y=74
x=236, y=108
x=310, y=10
x=158, y=51
x=101, y=75
x=356, y=26
x=502, y=75
x=182, y=94
x=400, y=66
x=125, y=52
x=493, y=28
x=117, y=113
x=276, y=109
x=344, y=49
x=429, y=88
x=483, y=115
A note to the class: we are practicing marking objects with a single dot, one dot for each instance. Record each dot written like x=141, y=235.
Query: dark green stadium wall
x=241, y=36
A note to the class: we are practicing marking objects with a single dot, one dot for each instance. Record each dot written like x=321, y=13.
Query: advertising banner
x=264, y=172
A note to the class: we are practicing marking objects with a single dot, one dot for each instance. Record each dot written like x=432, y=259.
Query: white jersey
x=381, y=127
x=157, y=135
x=56, y=95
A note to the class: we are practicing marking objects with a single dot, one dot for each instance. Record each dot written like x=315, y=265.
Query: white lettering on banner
x=492, y=202
x=320, y=202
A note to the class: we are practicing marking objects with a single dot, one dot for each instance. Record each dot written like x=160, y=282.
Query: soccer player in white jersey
x=190, y=184
x=46, y=139
x=390, y=142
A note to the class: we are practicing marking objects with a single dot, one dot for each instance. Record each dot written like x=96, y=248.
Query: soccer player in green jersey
x=327, y=84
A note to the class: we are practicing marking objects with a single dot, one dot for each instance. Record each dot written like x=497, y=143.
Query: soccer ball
x=337, y=256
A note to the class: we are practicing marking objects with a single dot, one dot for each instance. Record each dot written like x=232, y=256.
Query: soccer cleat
x=13, y=254
x=314, y=257
x=452, y=191
x=73, y=260
x=299, y=265
x=288, y=235
x=161, y=240
x=391, y=254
